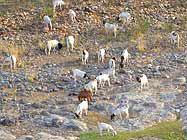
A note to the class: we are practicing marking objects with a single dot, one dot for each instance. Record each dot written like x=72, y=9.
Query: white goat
x=85, y=56
x=58, y=3
x=10, y=60
x=124, y=17
x=101, y=55
x=83, y=106
x=91, y=86
x=102, y=79
x=111, y=28
x=78, y=74
x=47, y=22
x=120, y=111
x=52, y=44
x=104, y=126
x=110, y=72
x=175, y=38
x=72, y=15
x=124, y=58
x=111, y=63
x=143, y=81
x=70, y=43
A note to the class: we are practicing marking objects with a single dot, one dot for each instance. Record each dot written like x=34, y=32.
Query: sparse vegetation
x=164, y=130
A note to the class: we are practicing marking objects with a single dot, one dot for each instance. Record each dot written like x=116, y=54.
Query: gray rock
x=74, y=125
x=46, y=136
x=6, y=136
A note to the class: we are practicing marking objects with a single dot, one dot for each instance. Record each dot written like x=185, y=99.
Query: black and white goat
x=104, y=126
x=143, y=81
x=11, y=60
x=119, y=111
x=52, y=44
x=175, y=39
x=79, y=74
x=85, y=56
x=102, y=79
x=47, y=22
x=83, y=106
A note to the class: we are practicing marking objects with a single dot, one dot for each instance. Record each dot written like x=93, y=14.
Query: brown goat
x=85, y=94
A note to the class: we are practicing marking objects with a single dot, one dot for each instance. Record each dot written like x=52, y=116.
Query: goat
x=58, y=3
x=104, y=126
x=85, y=94
x=124, y=58
x=70, y=43
x=85, y=56
x=101, y=55
x=102, y=79
x=79, y=73
x=119, y=111
x=72, y=15
x=83, y=106
x=143, y=81
x=175, y=38
x=110, y=72
x=124, y=17
x=91, y=86
x=47, y=22
x=52, y=44
x=111, y=28
x=11, y=60
x=111, y=63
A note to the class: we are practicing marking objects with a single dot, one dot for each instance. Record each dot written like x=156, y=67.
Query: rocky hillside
x=38, y=99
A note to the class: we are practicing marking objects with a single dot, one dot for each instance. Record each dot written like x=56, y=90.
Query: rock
x=74, y=125
x=26, y=137
x=46, y=136
x=6, y=136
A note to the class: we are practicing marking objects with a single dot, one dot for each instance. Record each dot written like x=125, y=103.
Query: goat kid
x=175, y=38
x=72, y=15
x=85, y=56
x=143, y=81
x=52, y=44
x=91, y=86
x=70, y=43
x=125, y=17
x=58, y=3
x=11, y=60
x=102, y=79
x=111, y=63
x=101, y=55
x=120, y=111
x=83, y=106
x=47, y=22
x=79, y=74
x=124, y=58
x=111, y=28
x=104, y=126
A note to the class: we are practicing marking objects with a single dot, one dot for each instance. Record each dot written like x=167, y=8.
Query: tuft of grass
x=167, y=27
x=170, y=130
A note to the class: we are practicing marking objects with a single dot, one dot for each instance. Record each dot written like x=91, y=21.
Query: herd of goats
x=85, y=95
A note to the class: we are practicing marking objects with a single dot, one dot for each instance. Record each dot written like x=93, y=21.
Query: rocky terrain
x=38, y=99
